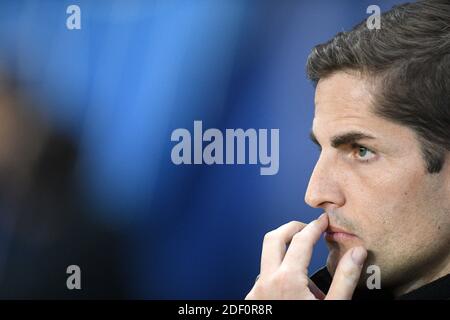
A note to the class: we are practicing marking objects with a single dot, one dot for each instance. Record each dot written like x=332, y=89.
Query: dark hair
x=408, y=59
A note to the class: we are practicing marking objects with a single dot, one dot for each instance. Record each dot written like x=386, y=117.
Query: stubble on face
x=397, y=210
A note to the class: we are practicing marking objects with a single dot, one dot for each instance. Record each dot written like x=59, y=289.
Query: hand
x=284, y=272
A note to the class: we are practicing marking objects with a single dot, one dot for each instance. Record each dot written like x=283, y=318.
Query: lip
x=334, y=229
x=337, y=234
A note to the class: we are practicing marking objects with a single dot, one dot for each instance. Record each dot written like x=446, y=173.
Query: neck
x=438, y=271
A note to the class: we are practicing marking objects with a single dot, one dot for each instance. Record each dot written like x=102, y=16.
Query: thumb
x=347, y=274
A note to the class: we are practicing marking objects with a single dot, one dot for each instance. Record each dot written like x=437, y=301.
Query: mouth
x=335, y=234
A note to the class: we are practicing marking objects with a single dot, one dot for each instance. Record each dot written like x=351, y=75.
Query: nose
x=324, y=190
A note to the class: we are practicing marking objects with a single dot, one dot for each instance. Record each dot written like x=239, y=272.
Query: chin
x=336, y=252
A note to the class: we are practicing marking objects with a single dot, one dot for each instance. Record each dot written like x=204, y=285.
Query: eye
x=362, y=153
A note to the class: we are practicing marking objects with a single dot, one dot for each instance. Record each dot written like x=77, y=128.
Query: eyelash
x=355, y=147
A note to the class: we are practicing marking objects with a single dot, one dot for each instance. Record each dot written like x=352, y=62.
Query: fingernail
x=359, y=255
x=323, y=218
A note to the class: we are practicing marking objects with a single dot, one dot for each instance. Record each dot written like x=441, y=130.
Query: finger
x=250, y=295
x=274, y=245
x=347, y=274
x=315, y=290
x=298, y=256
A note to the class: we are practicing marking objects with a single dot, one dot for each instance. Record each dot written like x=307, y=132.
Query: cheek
x=388, y=205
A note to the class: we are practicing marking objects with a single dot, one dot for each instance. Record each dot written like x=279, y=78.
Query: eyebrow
x=344, y=138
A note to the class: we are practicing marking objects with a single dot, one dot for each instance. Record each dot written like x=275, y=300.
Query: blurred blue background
x=136, y=71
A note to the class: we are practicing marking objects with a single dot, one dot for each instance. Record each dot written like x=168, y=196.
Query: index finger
x=300, y=250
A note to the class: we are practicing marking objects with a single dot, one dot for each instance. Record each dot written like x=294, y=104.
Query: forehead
x=343, y=94
x=344, y=102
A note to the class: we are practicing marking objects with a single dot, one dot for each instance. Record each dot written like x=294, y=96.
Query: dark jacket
x=436, y=290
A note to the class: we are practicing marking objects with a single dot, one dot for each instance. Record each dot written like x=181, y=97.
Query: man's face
x=377, y=188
